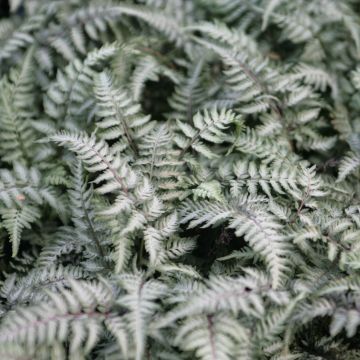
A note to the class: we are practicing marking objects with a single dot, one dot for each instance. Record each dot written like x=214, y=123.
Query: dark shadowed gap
x=211, y=244
x=4, y=8
x=154, y=100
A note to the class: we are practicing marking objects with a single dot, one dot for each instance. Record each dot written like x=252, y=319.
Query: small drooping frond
x=263, y=148
x=23, y=185
x=90, y=233
x=209, y=190
x=208, y=126
x=158, y=21
x=230, y=36
x=22, y=193
x=159, y=161
x=15, y=220
x=98, y=157
x=316, y=77
x=20, y=37
x=349, y=164
x=17, y=110
x=69, y=96
x=120, y=116
x=190, y=93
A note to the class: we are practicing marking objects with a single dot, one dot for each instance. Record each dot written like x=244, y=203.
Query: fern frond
x=159, y=161
x=208, y=126
x=69, y=96
x=32, y=287
x=189, y=94
x=16, y=108
x=157, y=20
x=15, y=220
x=62, y=318
x=140, y=301
x=97, y=157
x=263, y=148
x=212, y=337
x=21, y=37
x=259, y=228
x=92, y=233
x=120, y=117
x=349, y=164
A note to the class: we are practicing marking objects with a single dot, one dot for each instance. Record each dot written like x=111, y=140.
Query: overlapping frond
x=63, y=315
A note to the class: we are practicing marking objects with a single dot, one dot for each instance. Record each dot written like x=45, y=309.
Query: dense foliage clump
x=180, y=179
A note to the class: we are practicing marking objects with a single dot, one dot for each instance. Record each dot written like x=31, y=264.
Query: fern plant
x=180, y=180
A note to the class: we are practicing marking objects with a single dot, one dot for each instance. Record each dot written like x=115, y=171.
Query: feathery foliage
x=180, y=180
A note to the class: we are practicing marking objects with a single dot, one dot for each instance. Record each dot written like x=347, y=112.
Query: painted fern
x=179, y=180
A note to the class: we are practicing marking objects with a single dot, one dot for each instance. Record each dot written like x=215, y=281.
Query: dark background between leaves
x=4, y=8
